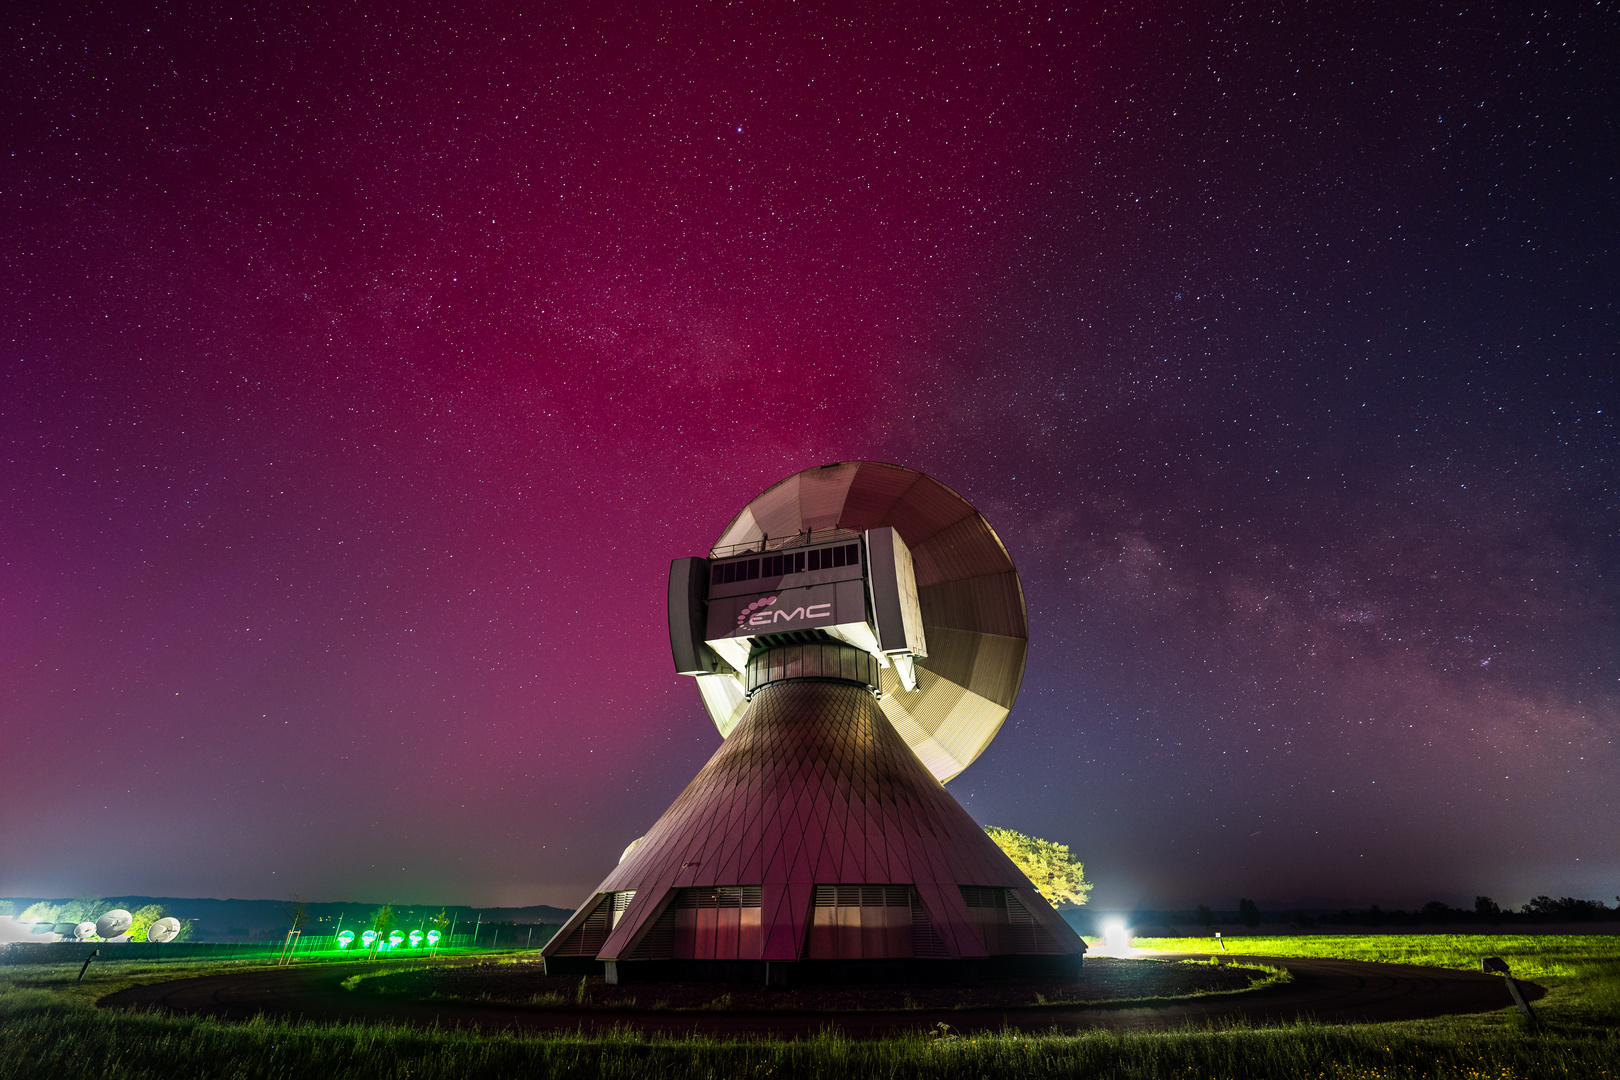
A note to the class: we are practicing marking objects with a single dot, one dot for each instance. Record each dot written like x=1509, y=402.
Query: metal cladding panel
x=823, y=492
x=947, y=724
x=1046, y=915
x=992, y=604
x=875, y=490
x=991, y=664
x=776, y=512
x=910, y=606
x=743, y=528
x=928, y=507
x=571, y=927
x=832, y=782
x=688, y=585
x=807, y=500
x=966, y=549
x=966, y=583
x=724, y=698
x=883, y=578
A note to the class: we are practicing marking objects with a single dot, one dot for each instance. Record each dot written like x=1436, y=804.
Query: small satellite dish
x=166, y=929
x=113, y=923
x=84, y=931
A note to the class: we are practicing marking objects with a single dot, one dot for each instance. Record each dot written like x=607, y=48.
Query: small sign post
x=1496, y=965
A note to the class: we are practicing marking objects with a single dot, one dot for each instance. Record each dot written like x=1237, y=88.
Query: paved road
x=1329, y=991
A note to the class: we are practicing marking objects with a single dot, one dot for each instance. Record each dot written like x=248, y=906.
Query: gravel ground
x=525, y=983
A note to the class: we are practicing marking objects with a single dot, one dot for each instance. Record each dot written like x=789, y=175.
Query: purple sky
x=363, y=370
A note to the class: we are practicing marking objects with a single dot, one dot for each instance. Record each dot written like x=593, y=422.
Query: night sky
x=362, y=369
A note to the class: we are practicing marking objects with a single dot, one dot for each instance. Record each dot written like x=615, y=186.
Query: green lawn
x=1581, y=974
x=50, y=1030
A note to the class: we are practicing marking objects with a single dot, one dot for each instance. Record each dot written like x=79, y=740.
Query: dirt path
x=1329, y=991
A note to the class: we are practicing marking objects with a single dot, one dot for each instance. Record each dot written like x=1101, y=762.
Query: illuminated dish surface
x=971, y=601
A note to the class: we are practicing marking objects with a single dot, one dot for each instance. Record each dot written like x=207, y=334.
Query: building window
x=829, y=558
x=742, y=570
x=788, y=562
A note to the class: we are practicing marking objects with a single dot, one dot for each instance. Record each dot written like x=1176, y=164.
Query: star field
x=363, y=369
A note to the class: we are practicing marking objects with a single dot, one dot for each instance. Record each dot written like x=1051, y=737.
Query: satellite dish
x=84, y=931
x=165, y=929
x=972, y=603
x=113, y=923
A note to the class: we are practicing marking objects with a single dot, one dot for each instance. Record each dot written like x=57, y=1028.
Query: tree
x=1050, y=867
x=382, y=920
x=83, y=909
x=297, y=912
x=1249, y=913
x=1566, y=909
x=142, y=920
x=43, y=911
x=1435, y=911
x=1206, y=917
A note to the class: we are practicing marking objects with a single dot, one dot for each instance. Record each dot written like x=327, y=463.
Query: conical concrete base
x=813, y=837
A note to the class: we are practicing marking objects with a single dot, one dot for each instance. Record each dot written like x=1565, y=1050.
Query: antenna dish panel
x=165, y=929
x=973, y=612
x=84, y=931
x=113, y=923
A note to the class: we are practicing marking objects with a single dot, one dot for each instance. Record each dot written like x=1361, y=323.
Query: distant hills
x=258, y=920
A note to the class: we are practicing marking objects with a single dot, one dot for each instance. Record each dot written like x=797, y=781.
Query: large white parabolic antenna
x=972, y=603
x=113, y=923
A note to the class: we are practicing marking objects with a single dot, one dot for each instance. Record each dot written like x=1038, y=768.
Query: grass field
x=1582, y=974
x=50, y=1030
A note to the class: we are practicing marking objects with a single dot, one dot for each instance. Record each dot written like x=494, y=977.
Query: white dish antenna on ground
x=84, y=931
x=113, y=923
x=165, y=929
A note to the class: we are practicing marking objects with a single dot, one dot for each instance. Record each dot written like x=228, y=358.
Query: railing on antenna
x=806, y=538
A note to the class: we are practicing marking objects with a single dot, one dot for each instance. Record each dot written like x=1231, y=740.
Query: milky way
x=363, y=370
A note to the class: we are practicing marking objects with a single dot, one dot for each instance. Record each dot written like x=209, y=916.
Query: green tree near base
x=1050, y=866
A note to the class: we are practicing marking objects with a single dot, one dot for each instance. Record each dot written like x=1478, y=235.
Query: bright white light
x=1119, y=937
